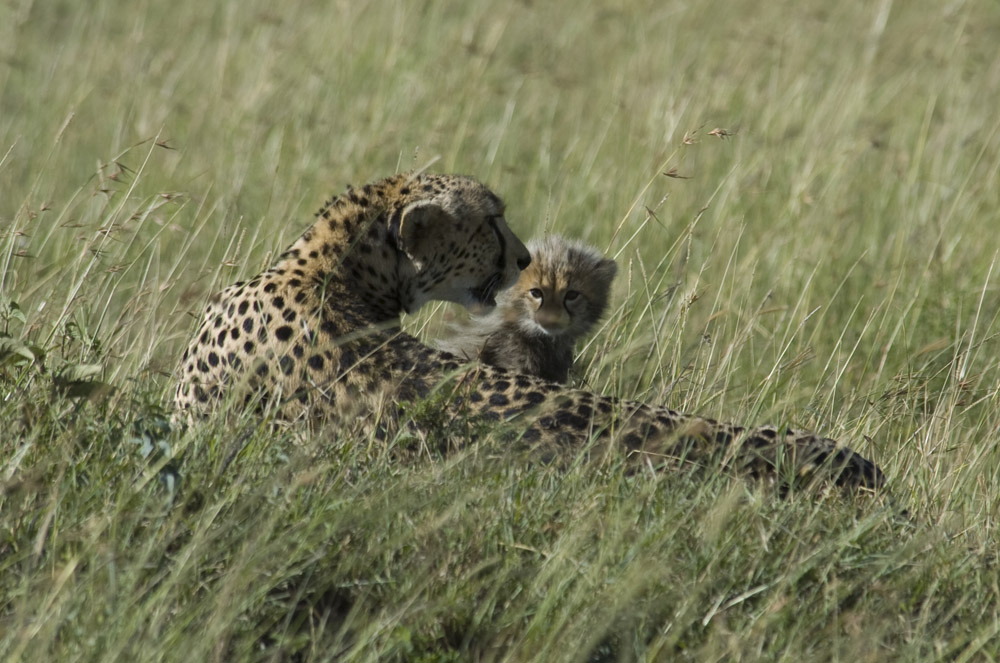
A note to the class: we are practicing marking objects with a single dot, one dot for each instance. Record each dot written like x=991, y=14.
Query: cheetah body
x=317, y=335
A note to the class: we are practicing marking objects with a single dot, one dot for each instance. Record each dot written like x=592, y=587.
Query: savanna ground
x=829, y=264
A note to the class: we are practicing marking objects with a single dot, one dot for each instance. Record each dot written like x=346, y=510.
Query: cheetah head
x=459, y=245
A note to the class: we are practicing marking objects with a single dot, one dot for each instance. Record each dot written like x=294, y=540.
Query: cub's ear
x=605, y=272
x=421, y=227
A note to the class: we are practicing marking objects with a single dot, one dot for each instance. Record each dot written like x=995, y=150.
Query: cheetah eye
x=536, y=293
x=571, y=295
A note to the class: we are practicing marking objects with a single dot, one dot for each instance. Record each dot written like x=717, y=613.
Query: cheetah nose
x=522, y=263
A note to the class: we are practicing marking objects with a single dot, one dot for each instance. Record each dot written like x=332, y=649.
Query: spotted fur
x=317, y=335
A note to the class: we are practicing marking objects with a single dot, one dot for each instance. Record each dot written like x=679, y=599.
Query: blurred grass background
x=803, y=200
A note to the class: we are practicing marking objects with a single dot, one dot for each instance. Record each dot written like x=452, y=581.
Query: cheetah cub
x=558, y=299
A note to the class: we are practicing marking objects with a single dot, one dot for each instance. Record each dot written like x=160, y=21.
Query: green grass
x=832, y=264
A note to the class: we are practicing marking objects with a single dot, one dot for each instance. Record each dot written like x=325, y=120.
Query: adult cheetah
x=317, y=335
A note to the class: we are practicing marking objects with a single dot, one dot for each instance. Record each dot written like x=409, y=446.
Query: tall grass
x=802, y=198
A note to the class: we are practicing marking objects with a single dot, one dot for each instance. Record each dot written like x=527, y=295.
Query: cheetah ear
x=418, y=229
x=605, y=272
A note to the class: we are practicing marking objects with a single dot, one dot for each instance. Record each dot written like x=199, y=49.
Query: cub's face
x=460, y=245
x=563, y=292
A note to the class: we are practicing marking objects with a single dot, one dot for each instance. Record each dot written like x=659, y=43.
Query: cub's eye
x=571, y=295
x=536, y=293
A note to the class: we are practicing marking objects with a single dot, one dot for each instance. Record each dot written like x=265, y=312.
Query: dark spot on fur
x=633, y=442
x=316, y=362
x=287, y=364
x=283, y=333
x=534, y=397
x=347, y=359
x=499, y=399
x=565, y=418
